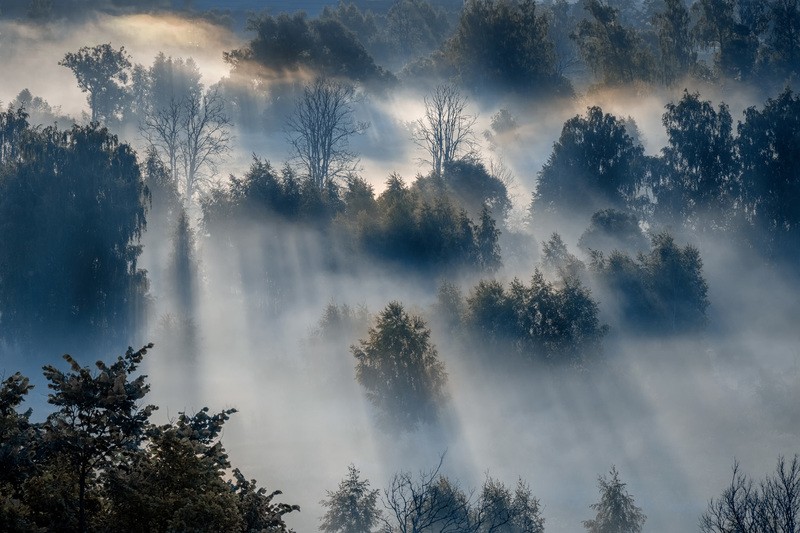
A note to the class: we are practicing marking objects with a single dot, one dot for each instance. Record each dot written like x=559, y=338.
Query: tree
x=445, y=132
x=733, y=32
x=98, y=417
x=771, y=506
x=783, y=40
x=98, y=464
x=400, y=368
x=700, y=186
x=661, y=291
x=320, y=129
x=353, y=508
x=415, y=28
x=594, y=165
x=610, y=229
x=102, y=72
x=767, y=146
x=616, y=511
x=505, y=45
x=526, y=512
x=18, y=439
x=541, y=322
x=615, y=53
x=170, y=84
x=430, y=503
x=205, y=138
x=72, y=213
x=678, y=50
x=288, y=43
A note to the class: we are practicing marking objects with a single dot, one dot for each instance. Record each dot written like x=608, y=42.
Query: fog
x=671, y=412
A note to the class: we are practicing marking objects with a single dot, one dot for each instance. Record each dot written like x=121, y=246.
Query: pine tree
x=353, y=508
x=616, y=511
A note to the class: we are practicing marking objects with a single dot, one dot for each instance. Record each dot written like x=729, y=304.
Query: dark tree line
x=97, y=463
x=420, y=227
x=708, y=180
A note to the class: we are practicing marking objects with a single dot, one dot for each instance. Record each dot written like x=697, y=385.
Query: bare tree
x=162, y=129
x=445, y=132
x=430, y=503
x=434, y=503
x=772, y=506
x=320, y=128
x=205, y=139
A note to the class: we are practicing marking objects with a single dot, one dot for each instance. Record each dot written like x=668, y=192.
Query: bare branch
x=445, y=132
x=319, y=131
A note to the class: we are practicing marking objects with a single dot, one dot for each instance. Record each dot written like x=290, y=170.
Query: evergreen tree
x=353, y=508
x=400, y=370
x=616, y=511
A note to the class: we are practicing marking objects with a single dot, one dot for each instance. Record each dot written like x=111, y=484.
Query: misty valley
x=400, y=266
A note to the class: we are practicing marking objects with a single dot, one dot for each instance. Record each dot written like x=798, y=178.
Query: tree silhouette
x=102, y=72
x=594, y=165
x=616, y=511
x=320, y=129
x=615, y=53
x=701, y=185
x=771, y=506
x=505, y=45
x=675, y=40
x=353, y=507
x=445, y=132
x=400, y=369
x=72, y=212
x=98, y=417
x=767, y=146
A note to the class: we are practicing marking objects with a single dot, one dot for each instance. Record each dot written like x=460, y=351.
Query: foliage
x=289, y=43
x=610, y=229
x=616, y=510
x=353, y=508
x=503, y=44
x=677, y=46
x=700, y=186
x=470, y=184
x=97, y=463
x=782, y=50
x=431, y=501
x=768, y=146
x=39, y=110
x=539, y=321
x=99, y=419
x=594, y=165
x=662, y=291
x=72, y=210
x=772, y=505
x=557, y=260
x=615, y=53
x=400, y=370
x=424, y=229
x=102, y=72
x=264, y=192
x=733, y=32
